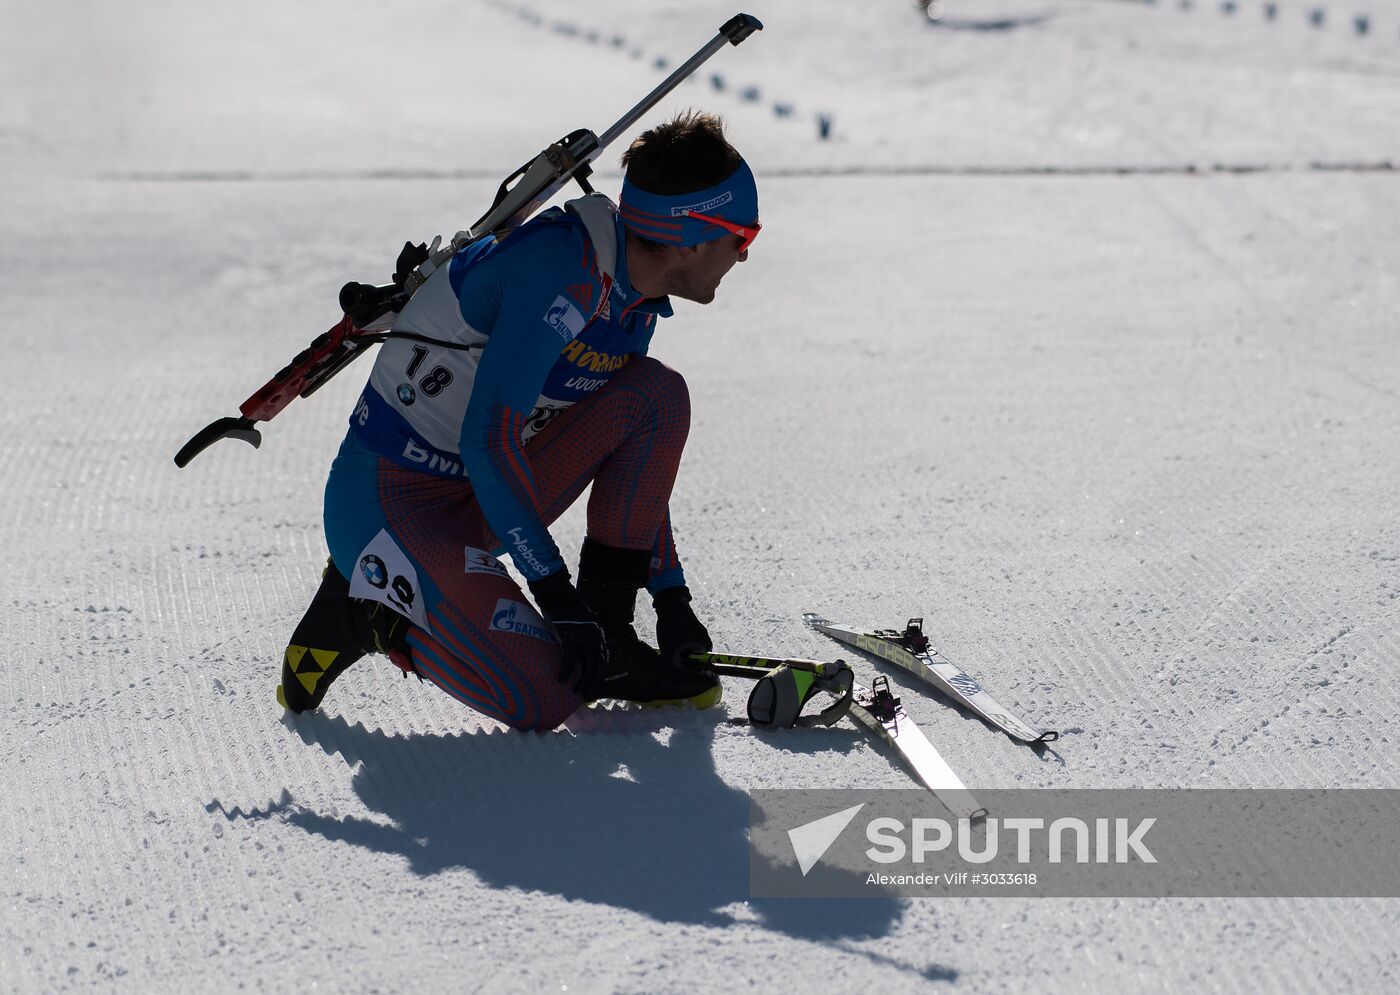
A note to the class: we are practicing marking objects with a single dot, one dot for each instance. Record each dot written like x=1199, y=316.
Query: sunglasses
x=746, y=233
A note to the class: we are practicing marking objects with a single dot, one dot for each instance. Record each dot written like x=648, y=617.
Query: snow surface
x=1076, y=337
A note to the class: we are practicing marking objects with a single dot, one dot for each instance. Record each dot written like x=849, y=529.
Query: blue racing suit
x=534, y=322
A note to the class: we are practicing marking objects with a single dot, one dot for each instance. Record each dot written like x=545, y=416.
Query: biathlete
x=523, y=379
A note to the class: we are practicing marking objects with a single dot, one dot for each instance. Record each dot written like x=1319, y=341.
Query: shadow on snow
x=622, y=819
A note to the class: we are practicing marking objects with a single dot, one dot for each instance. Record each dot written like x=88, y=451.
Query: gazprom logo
x=564, y=318
x=512, y=616
x=705, y=207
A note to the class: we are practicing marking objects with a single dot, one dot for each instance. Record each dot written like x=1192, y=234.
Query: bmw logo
x=407, y=395
x=373, y=569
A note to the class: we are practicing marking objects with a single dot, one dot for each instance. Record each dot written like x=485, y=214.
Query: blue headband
x=662, y=217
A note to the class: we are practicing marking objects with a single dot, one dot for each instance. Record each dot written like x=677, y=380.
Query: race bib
x=384, y=573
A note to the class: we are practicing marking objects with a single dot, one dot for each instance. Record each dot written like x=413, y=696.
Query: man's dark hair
x=683, y=155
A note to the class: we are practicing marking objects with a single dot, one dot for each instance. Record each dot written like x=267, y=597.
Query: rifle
x=369, y=311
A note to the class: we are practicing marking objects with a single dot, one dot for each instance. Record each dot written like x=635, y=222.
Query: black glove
x=678, y=632
x=410, y=258
x=585, y=650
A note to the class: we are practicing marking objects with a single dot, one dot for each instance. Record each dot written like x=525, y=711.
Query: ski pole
x=713, y=661
x=779, y=696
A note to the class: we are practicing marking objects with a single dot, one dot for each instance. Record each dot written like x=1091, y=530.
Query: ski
x=879, y=712
x=910, y=650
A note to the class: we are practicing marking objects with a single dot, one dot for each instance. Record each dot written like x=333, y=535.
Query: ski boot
x=608, y=581
x=334, y=633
